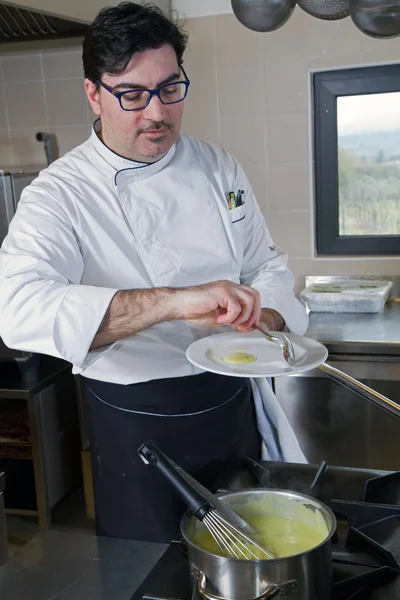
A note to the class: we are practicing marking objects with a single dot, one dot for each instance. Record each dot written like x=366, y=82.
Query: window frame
x=327, y=87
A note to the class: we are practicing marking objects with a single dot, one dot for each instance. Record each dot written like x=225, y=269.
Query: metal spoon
x=284, y=342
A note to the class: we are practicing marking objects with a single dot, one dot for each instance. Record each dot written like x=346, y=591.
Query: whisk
x=233, y=535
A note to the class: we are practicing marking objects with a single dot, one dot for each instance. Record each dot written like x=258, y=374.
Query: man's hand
x=219, y=303
x=270, y=318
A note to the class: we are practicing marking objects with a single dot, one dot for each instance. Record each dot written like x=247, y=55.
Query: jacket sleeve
x=43, y=306
x=264, y=265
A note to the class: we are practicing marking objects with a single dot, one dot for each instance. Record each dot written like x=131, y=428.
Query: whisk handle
x=198, y=504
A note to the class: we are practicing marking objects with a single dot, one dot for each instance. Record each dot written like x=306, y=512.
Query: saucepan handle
x=282, y=589
x=363, y=390
x=198, y=504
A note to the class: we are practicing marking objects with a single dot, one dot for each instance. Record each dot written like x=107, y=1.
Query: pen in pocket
x=239, y=198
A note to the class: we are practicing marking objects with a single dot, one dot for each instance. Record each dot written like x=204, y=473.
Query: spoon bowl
x=282, y=341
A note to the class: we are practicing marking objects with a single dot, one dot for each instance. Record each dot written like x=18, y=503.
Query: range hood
x=30, y=20
x=23, y=25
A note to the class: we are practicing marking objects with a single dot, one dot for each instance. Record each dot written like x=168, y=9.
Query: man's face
x=143, y=135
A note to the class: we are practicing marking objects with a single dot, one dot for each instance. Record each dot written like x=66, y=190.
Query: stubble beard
x=158, y=152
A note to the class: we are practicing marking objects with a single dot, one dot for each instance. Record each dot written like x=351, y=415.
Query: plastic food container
x=349, y=296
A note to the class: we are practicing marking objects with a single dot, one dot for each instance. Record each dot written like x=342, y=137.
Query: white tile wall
x=41, y=91
x=264, y=114
x=250, y=92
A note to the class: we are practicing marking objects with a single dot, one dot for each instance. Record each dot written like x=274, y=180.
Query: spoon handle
x=268, y=335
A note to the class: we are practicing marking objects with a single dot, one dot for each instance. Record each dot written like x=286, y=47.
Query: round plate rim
x=286, y=370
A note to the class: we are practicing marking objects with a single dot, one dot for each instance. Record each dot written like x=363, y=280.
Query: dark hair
x=118, y=32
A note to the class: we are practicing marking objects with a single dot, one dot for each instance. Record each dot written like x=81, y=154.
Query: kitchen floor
x=69, y=515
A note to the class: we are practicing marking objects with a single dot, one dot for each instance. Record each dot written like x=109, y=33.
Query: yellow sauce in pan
x=284, y=537
x=239, y=358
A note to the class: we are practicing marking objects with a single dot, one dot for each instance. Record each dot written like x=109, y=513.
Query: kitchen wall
x=201, y=8
x=41, y=91
x=251, y=94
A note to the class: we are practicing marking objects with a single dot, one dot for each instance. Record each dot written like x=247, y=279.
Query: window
x=357, y=161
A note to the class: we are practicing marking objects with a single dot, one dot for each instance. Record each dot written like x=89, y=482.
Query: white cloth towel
x=280, y=442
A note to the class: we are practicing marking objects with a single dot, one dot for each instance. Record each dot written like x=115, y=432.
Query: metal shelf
x=39, y=474
x=21, y=512
x=16, y=451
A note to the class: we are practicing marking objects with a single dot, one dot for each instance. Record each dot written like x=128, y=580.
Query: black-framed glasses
x=138, y=99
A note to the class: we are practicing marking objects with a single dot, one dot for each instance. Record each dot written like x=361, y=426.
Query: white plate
x=209, y=352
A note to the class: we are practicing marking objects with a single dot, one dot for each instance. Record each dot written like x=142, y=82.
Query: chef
x=124, y=252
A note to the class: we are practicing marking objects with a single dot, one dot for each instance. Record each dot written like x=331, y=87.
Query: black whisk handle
x=198, y=504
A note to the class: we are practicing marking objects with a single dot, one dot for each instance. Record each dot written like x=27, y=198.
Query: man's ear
x=93, y=95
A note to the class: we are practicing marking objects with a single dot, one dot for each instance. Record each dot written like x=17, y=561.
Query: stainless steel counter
x=358, y=333
x=333, y=423
x=71, y=566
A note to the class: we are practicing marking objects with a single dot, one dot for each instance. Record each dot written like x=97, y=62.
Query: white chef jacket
x=93, y=223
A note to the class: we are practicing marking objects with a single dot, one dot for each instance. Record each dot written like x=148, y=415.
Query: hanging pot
x=330, y=10
x=376, y=18
x=263, y=15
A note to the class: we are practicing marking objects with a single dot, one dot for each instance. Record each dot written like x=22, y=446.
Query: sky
x=370, y=112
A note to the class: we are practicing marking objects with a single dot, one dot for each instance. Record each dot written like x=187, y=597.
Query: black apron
x=205, y=423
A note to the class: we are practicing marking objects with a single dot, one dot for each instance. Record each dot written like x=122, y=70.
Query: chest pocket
x=238, y=219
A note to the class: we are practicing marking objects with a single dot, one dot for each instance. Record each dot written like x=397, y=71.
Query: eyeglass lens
x=139, y=98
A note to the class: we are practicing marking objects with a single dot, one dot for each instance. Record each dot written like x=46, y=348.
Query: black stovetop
x=365, y=548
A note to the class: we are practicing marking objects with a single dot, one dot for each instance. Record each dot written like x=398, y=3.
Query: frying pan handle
x=274, y=589
x=363, y=390
x=198, y=504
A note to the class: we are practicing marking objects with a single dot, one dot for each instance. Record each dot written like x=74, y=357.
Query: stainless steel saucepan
x=304, y=576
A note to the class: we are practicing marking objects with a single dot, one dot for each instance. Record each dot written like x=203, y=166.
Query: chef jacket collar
x=125, y=166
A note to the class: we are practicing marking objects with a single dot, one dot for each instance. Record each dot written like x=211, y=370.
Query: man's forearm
x=131, y=311
x=206, y=305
